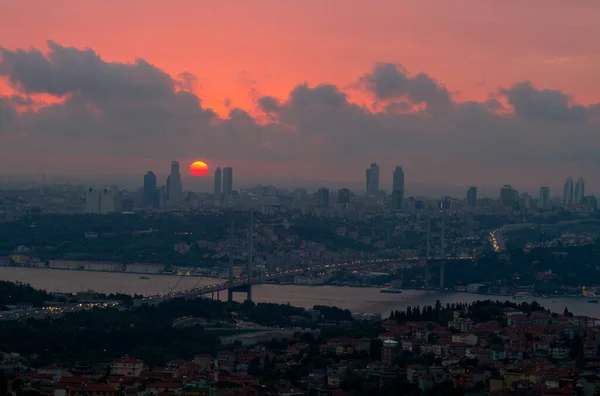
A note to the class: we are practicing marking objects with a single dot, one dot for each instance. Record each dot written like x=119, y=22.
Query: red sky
x=471, y=46
x=245, y=49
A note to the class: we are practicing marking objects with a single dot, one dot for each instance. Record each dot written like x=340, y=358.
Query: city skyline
x=133, y=104
x=222, y=186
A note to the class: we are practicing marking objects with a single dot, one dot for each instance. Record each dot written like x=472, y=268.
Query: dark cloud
x=268, y=104
x=493, y=105
x=390, y=81
x=21, y=100
x=66, y=69
x=136, y=109
x=8, y=115
x=187, y=81
x=543, y=104
x=323, y=94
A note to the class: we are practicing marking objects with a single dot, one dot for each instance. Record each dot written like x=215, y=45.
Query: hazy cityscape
x=315, y=198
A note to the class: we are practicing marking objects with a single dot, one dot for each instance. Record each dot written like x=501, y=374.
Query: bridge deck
x=242, y=283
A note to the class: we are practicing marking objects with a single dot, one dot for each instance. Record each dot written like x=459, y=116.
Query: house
x=514, y=320
x=414, y=372
x=203, y=361
x=583, y=321
x=126, y=366
x=159, y=387
x=225, y=359
x=560, y=352
x=92, y=389
x=290, y=392
x=590, y=349
x=468, y=339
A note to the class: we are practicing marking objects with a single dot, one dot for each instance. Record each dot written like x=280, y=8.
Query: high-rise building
x=579, y=191
x=525, y=201
x=126, y=204
x=158, y=199
x=99, y=201
x=507, y=195
x=397, y=199
x=343, y=195
x=373, y=179
x=298, y=195
x=568, y=192
x=92, y=201
x=398, y=180
x=591, y=203
x=174, y=187
x=472, y=196
x=218, y=182
x=323, y=197
x=227, y=181
x=544, y=198
x=107, y=201
x=149, y=187
x=390, y=351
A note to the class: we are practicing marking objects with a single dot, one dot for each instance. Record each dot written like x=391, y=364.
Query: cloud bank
x=135, y=109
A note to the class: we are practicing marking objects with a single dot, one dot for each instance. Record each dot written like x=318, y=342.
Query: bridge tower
x=246, y=288
x=250, y=241
x=230, y=253
x=428, y=252
x=442, y=249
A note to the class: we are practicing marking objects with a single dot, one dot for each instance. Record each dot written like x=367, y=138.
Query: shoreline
x=110, y=272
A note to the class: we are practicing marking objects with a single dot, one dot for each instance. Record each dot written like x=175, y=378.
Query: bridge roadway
x=240, y=283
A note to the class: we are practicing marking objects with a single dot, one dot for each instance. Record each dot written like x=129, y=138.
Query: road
x=52, y=311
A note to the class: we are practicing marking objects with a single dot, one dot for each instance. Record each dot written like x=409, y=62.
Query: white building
x=126, y=366
x=99, y=201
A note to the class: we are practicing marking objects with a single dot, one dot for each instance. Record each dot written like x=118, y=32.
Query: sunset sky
x=464, y=92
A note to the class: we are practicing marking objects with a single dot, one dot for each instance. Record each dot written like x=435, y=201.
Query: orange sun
x=199, y=168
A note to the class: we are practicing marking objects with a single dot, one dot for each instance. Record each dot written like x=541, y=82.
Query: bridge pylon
x=247, y=288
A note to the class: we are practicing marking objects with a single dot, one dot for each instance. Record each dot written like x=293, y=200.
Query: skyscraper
x=158, y=199
x=579, y=191
x=323, y=197
x=174, y=187
x=472, y=196
x=227, y=181
x=218, y=182
x=397, y=199
x=568, y=192
x=507, y=195
x=343, y=195
x=149, y=187
x=544, y=198
x=398, y=180
x=373, y=179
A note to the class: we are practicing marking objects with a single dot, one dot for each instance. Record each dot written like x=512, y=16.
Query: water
x=352, y=298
